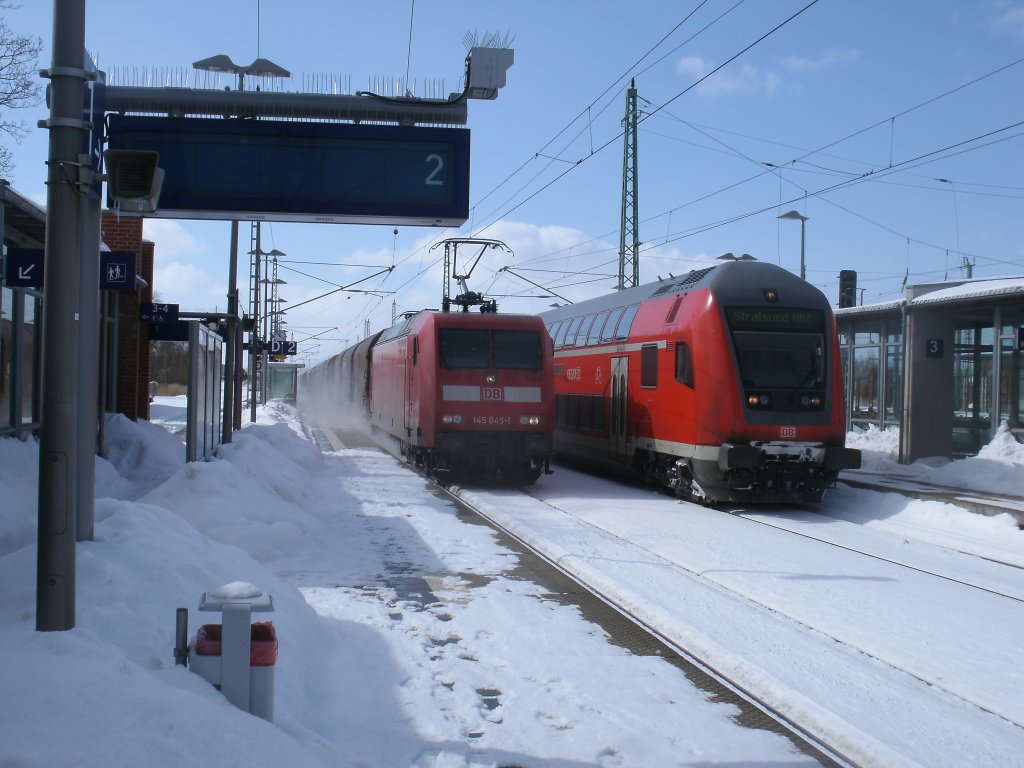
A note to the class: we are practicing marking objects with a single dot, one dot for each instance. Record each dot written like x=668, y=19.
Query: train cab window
x=462, y=347
x=622, y=332
x=608, y=334
x=518, y=350
x=595, y=330
x=649, y=366
x=684, y=364
x=570, y=337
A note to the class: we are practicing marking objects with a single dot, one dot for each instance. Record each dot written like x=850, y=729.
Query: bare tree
x=19, y=83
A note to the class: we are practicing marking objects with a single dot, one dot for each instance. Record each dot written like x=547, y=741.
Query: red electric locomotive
x=465, y=394
x=724, y=383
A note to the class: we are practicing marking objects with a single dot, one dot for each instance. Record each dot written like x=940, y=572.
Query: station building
x=943, y=365
x=124, y=351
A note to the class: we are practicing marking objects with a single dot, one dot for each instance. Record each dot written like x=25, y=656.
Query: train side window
x=560, y=340
x=595, y=330
x=597, y=413
x=649, y=366
x=586, y=417
x=573, y=418
x=684, y=364
x=561, y=407
x=622, y=332
x=584, y=334
x=553, y=330
x=415, y=349
x=570, y=337
x=608, y=334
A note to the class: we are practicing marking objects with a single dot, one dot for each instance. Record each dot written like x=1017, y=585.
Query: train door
x=619, y=418
x=411, y=359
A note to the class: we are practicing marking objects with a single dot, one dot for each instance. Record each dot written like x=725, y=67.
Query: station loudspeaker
x=847, y=288
x=134, y=179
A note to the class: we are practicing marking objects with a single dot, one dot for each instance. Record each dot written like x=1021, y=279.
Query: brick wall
x=133, y=360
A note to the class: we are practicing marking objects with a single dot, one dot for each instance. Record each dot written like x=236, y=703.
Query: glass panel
x=609, y=328
x=520, y=350
x=28, y=359
x=893, y=382
x=684, y=364
x=622, y=332
x=463, y=347
x=864, y=398
x=595, y=330
x=780, y=359
x=6, y=340
x=570, y=337
x=649, y=365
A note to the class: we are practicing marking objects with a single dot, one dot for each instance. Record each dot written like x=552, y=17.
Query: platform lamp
x=796, y=216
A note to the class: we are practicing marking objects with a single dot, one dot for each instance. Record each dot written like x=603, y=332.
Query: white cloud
x=827, y=61
x=1012, y=20
x=191, y=287
x=731, y=80
x=170, y=238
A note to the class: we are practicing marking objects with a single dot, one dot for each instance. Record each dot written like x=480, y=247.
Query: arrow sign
x=23, y=268
x=158, y=313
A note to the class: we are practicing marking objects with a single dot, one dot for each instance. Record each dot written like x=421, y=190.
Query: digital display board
x=303, y=171
x=774, y=319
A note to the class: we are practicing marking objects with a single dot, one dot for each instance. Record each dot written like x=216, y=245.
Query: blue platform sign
x=23, y=267
x=266, y=170
x=117, y=271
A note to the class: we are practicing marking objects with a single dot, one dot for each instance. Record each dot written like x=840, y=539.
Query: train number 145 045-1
x=492, y=419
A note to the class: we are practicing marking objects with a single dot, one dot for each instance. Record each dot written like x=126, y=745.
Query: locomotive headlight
x=529, y=421
x=816, y=401
x=805, y=400
x=449, y=418
x=490, y=378
x=755, y=401
x=752, y=400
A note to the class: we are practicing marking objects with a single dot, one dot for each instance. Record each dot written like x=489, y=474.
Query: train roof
x=476, y=319
x=734, y=283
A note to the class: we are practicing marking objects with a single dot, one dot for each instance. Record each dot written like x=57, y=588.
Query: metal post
x=88, y=367
x=803, y=271
x=58, y=433
x=231, y=366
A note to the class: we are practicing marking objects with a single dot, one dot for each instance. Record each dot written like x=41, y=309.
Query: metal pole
x=803, y=272
x=88, y=367
x=231, y=366
x=58, y=433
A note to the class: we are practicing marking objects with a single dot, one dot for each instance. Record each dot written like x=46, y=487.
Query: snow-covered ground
x=493, y=673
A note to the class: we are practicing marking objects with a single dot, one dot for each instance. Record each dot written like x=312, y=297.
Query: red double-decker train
x=724, y=384
x=465, y=394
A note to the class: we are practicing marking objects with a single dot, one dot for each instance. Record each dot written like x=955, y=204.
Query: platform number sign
x=934, y=348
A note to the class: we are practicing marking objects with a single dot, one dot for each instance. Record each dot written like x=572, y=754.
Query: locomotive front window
x=771, y=360
x=517, y=350
x=463, y=347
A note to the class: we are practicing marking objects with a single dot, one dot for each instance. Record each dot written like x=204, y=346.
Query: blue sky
x=846, y=112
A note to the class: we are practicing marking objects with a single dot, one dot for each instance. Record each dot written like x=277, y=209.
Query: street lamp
x=796, y=216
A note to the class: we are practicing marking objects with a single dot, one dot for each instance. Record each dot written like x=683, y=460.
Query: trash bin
x=206, y=661
x=236, y=655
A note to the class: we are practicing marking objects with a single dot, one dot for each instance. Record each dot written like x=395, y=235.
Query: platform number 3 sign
x=933, y=348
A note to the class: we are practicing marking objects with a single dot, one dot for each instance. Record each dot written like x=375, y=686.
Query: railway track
x=626, y=628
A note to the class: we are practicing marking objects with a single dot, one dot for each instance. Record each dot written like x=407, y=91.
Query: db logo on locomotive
x=492, y=393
